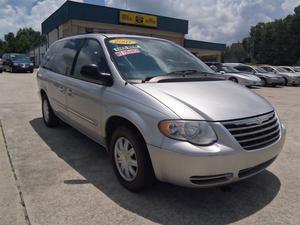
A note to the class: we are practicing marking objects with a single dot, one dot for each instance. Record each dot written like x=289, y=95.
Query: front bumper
x=22, y=68
x=294, y=80
x=249, y=82
x=224, y=162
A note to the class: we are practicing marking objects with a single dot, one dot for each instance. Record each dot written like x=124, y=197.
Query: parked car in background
x=159, y=110
x=234, y=75
x=297, y=68
x=15, y=62
x=290, y=69
x=267, y=79
x=1, y=65
x=289, y=78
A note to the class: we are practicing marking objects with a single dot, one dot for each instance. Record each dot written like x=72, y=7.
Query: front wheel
x=50, y=119
x=263, y=82
x=131, y=160
x=233, y=79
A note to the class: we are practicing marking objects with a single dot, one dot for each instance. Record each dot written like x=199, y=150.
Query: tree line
x=275, y=43
x=22, y=42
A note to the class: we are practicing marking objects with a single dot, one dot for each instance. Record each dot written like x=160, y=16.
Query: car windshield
x=230, y=69
x=141, y=58
x=297, y=69
x=287, y=69
x=260, y=70
x=18, y=57
x=282, y=70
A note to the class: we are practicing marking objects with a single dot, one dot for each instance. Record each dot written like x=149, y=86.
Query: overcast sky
x=223, y=21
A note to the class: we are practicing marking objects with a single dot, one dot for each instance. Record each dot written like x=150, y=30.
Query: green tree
x=24, y=40
x=235, y=53
x=276, y=42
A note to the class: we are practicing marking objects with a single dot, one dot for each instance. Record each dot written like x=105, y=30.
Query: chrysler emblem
x=259, y=121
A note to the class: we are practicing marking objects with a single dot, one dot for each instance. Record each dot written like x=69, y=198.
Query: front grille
x=256, y=132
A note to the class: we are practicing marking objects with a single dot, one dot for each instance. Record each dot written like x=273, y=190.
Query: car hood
x=22, y=61
x=296, y=74
x=208, y=100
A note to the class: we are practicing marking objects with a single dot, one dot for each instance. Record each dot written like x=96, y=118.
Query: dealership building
x=78, y=18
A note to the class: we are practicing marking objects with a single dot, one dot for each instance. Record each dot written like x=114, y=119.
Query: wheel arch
x=115, y=121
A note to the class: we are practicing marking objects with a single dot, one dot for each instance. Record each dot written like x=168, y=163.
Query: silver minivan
x=160, y=112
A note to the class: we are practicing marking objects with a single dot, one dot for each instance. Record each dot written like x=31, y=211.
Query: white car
x=236, y=76
x=297, y=68
x=289, y=77
x=267, y=79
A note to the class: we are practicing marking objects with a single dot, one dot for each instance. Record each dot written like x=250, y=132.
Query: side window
x=90, y=53
x=242, y=68
x=60, y=56
x=49, y=57
x=269, y=69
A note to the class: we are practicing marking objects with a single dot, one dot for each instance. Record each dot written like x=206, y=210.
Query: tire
x=233, y=79
x=140, y=173
x=285, y=82
x=12, y=70
x=50, y=119
x=263, y=82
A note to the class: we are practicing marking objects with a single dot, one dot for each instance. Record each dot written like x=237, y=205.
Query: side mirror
x=222, y=72
x=91, y=73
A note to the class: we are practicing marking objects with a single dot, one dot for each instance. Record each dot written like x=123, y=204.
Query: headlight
x=195, y=132
x=31, y=64
x=16, y=64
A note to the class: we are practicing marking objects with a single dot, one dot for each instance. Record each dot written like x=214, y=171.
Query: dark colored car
x=15, y=62
x=1, y=65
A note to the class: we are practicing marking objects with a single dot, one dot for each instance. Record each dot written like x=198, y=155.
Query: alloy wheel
x=125, y=159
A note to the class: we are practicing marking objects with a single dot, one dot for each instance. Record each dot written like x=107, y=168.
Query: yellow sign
x=138, y=19
x=123, y=42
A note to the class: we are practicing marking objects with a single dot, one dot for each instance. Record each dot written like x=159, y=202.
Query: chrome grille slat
x=262, y=143
x=248, y=127
x=256, y=132
x=259, y=137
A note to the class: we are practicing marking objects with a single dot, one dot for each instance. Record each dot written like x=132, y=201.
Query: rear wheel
x=50, y=119
x=130, y=158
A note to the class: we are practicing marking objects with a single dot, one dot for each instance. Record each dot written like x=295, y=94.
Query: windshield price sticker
x=121, y=48
x=127, y=52
x=122, y=42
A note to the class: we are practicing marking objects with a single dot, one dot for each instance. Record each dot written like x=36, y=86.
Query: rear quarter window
x=60, y=56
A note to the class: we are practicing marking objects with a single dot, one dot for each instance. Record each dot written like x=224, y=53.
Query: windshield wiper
x=180, y=78
x=177, y=74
